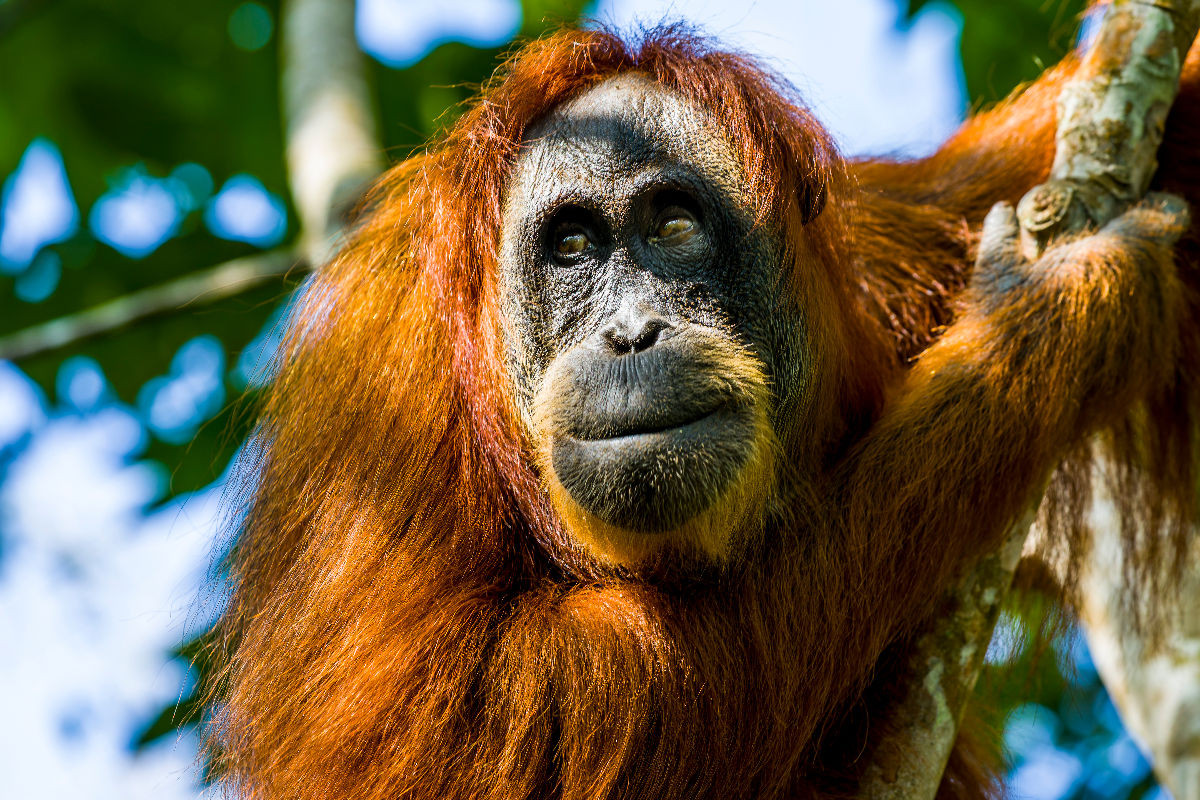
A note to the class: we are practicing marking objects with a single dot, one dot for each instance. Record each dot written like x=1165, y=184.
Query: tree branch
x=1154, y=680
x=1111, y=119
x=332, y=149
x=224, y=280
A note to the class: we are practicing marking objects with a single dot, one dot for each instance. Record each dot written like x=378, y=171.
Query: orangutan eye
x=675, y=226
x=571, y=234
x=571, y=242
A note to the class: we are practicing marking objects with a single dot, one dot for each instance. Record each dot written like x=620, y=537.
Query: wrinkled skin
x=637, y=288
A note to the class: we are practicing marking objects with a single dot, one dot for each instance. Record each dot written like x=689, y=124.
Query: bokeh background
x=142, y=142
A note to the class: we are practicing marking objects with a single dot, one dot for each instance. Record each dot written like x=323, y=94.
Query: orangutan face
x=648, y=336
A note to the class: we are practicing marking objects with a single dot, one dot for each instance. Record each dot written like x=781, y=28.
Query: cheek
x=770, y=318
x=525, y=356
x=527, y=326
x=550, y=309
x=789, y=363
x=575, y=309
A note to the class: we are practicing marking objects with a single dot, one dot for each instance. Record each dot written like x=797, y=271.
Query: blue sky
x=93, y=591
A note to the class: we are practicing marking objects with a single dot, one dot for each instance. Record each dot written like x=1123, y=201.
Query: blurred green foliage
x=1005, y=44
x=1042, y=691
x=157, y=84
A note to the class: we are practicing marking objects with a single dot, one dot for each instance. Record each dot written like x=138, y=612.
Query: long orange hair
x=408, y=619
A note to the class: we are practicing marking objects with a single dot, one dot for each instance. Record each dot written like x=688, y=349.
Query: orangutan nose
x=634, y=331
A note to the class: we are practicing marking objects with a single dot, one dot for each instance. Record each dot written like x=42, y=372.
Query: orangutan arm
x=1040, y=354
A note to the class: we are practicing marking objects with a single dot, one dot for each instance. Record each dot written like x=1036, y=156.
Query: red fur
x=409, y=620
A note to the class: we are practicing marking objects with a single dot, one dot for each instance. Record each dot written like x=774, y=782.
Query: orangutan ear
x=811, y=198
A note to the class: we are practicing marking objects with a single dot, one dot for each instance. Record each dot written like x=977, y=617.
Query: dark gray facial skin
x=630, y=271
